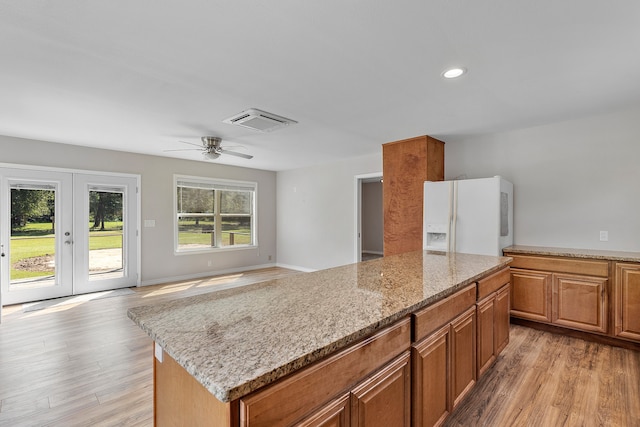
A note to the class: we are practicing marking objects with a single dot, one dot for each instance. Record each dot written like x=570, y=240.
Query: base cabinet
x=555, y=291
x=579, y=302
x=492, y=327
x=382, y=400
x=531, y=295
x=412, y=373
x=375, y=374
x=627, y=301
x=444, y=369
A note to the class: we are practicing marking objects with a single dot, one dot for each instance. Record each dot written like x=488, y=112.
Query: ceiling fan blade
x=234, y=153
x=185, y=149
x=191, y=143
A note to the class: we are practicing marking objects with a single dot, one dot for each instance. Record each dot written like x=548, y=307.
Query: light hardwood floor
x=88, y=364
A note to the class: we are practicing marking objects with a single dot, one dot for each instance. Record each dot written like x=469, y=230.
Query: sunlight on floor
x=201, y=283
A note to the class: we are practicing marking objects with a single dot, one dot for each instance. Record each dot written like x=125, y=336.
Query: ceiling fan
x=212, y=148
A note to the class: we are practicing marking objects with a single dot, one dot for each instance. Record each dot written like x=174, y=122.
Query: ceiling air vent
x=259, y=120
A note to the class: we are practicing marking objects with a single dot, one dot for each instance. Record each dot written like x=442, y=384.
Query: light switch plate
x=604, y=236
x=149, y=223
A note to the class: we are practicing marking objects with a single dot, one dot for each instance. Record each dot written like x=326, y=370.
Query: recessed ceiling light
x=452, y=73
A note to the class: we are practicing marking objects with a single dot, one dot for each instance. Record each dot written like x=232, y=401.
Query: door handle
x=68, y=242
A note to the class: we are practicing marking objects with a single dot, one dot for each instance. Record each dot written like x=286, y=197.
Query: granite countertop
x=574, y=253
x=238, y=340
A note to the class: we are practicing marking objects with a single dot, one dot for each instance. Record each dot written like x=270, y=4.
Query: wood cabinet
x=627, y=301
x=308, y=392
x=406, y=165
x=566, y=292
x=382, y=400
x=412, y=373
x=444, y=361
x=492, y=311
x=531, y=295
x=579, y=302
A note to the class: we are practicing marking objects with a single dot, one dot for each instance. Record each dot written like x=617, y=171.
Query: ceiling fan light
x=211, y=155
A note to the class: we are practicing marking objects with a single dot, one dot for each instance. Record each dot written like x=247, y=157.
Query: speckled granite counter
x=574, y=253
x=236, y=341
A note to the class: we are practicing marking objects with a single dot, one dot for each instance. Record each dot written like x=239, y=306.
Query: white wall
x=159, y=263
x=571, y=179
x=316, y=212
x=372, y=226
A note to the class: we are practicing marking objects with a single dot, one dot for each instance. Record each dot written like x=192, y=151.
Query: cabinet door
x=384, y=400
x=463, y=355
x=531, y=295
x=580, y=302
x=502, y=309
x=627, y=301
x=333, y=414
x=430, y=372
x=486, y=333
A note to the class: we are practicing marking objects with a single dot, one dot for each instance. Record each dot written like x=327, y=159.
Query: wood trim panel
x=430, y=318
x=292, y=398
x=181, y=400
x=561, y=265
x=580, y=302
x=493, y=282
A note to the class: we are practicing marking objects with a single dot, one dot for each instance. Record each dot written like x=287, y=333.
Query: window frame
x=216, y=184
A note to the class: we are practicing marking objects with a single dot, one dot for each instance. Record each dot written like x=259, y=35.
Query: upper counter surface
x=574, y=253
x=238, y=340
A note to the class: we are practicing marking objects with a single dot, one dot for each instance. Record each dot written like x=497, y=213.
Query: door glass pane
x=106, y=225
x=33, y=237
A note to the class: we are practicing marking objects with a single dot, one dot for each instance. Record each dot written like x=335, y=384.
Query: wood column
x=407, y=164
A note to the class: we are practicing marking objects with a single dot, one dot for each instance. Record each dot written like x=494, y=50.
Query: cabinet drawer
x=562, y=265
x=291, y=399
x=493, y=282
x=431, y=318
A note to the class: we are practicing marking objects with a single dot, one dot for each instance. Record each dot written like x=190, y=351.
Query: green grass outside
x=191, y=234
x=36, y=240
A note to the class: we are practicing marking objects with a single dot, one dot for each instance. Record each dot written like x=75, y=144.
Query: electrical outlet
x=269, y=257
x=604, y=236
x=208, y=263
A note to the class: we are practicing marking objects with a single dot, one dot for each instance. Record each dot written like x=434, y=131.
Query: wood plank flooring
x=88, y=364
x=546, y=379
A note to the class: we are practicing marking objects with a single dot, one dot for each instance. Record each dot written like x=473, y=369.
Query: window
x=214, y=213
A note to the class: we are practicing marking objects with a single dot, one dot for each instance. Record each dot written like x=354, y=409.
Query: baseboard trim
x=373, y=252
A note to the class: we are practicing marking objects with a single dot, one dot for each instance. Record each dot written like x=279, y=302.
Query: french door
x=64, y=233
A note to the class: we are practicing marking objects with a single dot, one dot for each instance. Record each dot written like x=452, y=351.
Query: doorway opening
x=368, y=219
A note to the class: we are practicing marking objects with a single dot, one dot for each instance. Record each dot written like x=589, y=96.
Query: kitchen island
x=312, y=338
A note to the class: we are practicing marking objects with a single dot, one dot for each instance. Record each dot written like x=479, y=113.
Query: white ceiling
x=141, y=75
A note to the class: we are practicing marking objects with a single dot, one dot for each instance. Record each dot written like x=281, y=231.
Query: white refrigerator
x=473, y=216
